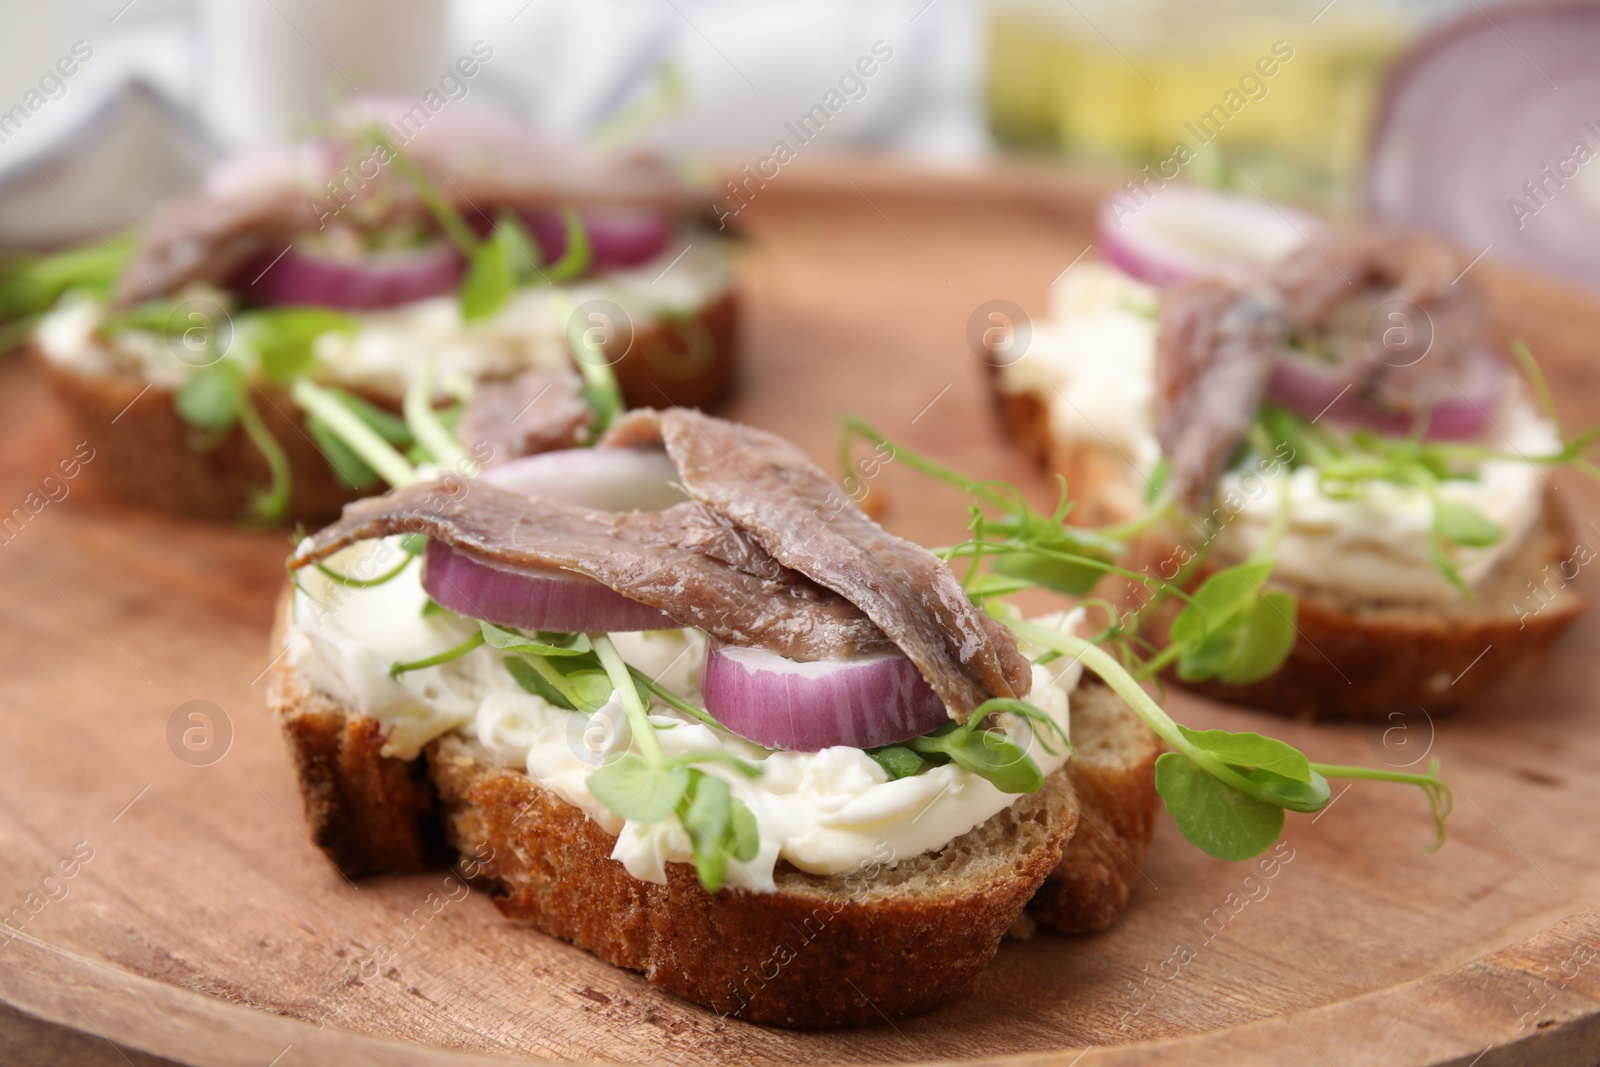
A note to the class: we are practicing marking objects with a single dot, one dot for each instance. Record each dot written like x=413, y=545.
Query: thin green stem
x=1156, y=664
x=1128, y=688
x=366, y=583
x=622, y=682
x=397, y=669
x=668, y=697
x=1374, y=774
x=930, y=467
x=444, y=212
x=424, y=422
x=363, y=440
x=272, y=503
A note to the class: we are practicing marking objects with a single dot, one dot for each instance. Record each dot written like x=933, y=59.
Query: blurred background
x=1444, y=113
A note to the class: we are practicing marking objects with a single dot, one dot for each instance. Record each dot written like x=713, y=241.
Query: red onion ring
x=377, y=280
x=805, y=707
x=1465, y=123
x=1313, y=390
x=618, y=237
x=529, y=599
x=1181, y=232
x=608, y=479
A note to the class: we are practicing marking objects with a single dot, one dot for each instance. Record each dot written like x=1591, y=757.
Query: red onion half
x=1311, y=389
x=618, y=237
x=805, y=707
x=1487, y=134
x=609, y=479
x=529, y=599
x=1181, y=232
x=377, y=280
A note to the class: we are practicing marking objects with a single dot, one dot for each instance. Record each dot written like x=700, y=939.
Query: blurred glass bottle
x=1280, y=93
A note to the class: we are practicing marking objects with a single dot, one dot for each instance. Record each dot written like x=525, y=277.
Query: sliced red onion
x=377, y=280
x=1474, y=142
x=618, y=237
x=530, y=599
x=805, y=707
x=1318, y=392
x=609, y=479
x=1180, y=232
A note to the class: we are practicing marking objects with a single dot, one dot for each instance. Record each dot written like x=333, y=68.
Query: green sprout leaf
x=543, y=644
x=1464, y=525
x=490, y=280
x=1062, y=576
x=1249, y=751
x=1234, y=631
x=285, y=338
x=533, y=682
x=575, y=258
x=897, y=761
x=719, y=827
x=635, y=789
x=1214, y=816
x=30, y=285
x=211, y=397
x=456, y=652
x=345, y=461
x=987, y=753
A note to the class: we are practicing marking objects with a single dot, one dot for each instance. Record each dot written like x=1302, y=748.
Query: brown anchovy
x=211, y=236
x=770, y=490
x=1214, y=351
x=1218, y=340
x=534, y=412
x=1344, y=296
x=685, y=561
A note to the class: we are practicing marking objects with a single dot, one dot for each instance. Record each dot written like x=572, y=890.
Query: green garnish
x=1227, y=791
x=646, y=786
x=455, y=652
x=989, y=754
x=349, y=423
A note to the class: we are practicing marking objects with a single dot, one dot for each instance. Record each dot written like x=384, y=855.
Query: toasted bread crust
x=1352, y=660
x=145, y=451
x=369, y=813
x=1112, y=771
x=818, y=952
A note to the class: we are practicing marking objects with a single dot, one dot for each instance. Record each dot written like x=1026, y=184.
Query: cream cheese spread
x=528, y=333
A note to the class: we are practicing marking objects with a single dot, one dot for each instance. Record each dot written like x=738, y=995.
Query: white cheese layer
x=1092, y=364
x=825, y=812
x=528, y=333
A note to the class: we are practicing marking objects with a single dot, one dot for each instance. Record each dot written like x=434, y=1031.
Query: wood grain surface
x=204, y=929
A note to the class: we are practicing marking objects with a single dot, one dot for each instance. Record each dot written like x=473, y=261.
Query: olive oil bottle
x=1277, y=93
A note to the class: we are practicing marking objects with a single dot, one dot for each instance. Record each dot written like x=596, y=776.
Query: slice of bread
x=1354, y=658
x=821, y=951
x=144, y=450
x=1113, y=774
x=1368, y=659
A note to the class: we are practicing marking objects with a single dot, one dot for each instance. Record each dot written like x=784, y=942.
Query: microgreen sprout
x=1227, y=791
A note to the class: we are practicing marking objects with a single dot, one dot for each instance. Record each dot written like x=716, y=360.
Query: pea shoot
x=1227, y=792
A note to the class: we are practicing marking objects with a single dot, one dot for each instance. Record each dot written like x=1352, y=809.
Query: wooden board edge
x=1468, y=1015
x=55, y=987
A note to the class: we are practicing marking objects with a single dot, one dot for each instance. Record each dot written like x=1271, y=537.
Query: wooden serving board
x=204, y=929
